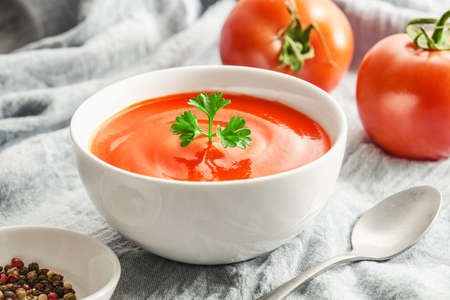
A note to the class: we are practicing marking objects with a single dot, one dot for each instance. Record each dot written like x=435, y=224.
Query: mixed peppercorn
x=18, y=282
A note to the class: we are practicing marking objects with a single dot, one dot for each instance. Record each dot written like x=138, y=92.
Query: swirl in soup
x=139, y=139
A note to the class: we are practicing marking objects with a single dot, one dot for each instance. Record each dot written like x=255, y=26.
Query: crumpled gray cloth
x=42, y=84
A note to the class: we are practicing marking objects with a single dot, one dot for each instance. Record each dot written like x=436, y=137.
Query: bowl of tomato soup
x=193, y=195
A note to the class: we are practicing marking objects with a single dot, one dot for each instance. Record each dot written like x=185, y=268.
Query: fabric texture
x=43, y=83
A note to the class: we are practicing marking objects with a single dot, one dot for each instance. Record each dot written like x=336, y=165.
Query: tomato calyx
x=296, y=47
x=439, y=39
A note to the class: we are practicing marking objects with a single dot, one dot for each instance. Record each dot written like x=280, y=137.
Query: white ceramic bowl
x=91, y=267
x=210, y=222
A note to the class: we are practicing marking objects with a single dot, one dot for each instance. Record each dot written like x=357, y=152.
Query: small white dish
x=210, y=222
x=91, y=267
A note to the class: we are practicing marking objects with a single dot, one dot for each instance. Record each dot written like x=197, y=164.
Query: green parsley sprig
x=233, y=135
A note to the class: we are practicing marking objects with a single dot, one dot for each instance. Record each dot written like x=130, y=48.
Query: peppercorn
x=23, y=270
x=60, y=291
x=9, y=294
x=32, y=283
x=3, y=278
x=69, y=296
x=12, y=278
x=45, y=282
x=50, y=274
x=33, y=267
x=21, y=293
x=16, y=262
x=7, y=267
x=53, y=296
x=31, y=275
x=69, y=291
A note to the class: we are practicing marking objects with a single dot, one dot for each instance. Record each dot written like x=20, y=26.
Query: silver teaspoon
x=387, y=229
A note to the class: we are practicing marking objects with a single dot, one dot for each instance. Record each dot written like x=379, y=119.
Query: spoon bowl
x=395, y=224
x=387, y=229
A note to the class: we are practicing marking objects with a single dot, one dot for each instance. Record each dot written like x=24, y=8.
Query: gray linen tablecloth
x=42, y=84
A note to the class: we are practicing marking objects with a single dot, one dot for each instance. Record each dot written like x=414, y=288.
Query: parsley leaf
x=187, y=127
x=209, y=104
x=235, y=135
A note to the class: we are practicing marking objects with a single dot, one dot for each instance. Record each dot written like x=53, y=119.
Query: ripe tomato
x=253, y=35
x=403, y=96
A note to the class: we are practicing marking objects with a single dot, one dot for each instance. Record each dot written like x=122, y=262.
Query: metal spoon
x=388, y=229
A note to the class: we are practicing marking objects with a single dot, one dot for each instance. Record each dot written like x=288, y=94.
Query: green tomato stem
x=439, y=38
x=439, y=30
x=430, y=42
x=296, y=42
x=294, y=47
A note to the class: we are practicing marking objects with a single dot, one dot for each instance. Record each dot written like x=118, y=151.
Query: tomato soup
x=138, y=139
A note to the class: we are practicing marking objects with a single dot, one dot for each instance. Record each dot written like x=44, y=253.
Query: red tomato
x=253, y=36
x=403, y=95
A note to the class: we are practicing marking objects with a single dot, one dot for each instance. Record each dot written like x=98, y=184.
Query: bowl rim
x=117, y=269
x=341, y=135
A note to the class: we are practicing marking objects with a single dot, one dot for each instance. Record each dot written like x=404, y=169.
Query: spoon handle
x=285, y=289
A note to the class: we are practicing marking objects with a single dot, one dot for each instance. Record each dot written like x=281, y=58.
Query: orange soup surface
x=138, y=139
